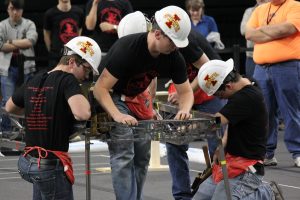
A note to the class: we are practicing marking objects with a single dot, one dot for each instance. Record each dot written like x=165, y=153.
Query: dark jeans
x=280, y=85
x=179, y=161
x=129, y=159
x=49, y=181
x=8, y=86
x=180, y=172
x=250, y=66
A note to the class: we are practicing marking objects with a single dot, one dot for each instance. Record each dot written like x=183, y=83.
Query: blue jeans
x=129, y=159
x=178, y=159
x=249, y=66
x=49, y=181
x=8, y=85
x=247, y=186
x=280, y=84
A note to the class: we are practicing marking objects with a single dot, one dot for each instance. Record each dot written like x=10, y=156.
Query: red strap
x=40, y=153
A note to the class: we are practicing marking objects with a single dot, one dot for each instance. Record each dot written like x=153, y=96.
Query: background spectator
x=17, y=37
x=274, y=28
x=103, y=17
x=61, y=23
x=249, y=63
x=204, y=24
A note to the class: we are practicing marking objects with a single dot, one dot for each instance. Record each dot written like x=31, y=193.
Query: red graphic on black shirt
x=36, y=119
x=112, y=18
x=139, y=83
x=191, y=71
x=68, y=30
x=110, y=15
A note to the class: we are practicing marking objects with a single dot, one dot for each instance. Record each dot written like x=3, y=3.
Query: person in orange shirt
x=274, y=28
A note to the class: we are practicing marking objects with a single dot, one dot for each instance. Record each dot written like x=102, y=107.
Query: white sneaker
x=297, y=162
x=272, y=161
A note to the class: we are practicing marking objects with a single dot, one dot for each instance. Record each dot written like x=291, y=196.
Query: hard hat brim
x=228, y=65
x=180, y=43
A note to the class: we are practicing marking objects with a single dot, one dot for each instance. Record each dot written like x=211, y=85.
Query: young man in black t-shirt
x=245, y=140
x=198, y=52
x=194, y=57
x=52, y=101
x=103, y=17
x=61, y=23
x=128, y=68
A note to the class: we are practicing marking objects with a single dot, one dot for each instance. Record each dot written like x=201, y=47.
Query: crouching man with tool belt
x=245, y=114
x=52, y=101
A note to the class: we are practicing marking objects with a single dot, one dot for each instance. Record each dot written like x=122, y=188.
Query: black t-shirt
x=248, y=123
x=196, y=39
x=63, y=26
x=48, y=117
x=129, y=60
x=111, y=12
x=197, y=45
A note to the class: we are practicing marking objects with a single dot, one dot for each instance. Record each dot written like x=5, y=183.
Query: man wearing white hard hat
x=198, y=52
x=128, y=68
x=52, y=102
x=245, y=140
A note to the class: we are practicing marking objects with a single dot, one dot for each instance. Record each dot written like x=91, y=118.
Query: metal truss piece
x=166, y=130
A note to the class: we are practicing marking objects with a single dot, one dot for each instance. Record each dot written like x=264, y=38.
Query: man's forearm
x=257, y=36
x=195, y=85
x=47, y=40
x=186, y=101
x=22, y=43
x=12, y=108
x=91, y=18
x=270, y=32
x=6, y=48
x=278, y=31
x=105, y=100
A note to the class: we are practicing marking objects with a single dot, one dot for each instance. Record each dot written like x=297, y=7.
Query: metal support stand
x=87, y=166
x=224, y=169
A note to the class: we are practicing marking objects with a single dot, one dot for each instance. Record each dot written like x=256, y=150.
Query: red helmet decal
x=172, y=21
x=86, y=47
x=211, y=80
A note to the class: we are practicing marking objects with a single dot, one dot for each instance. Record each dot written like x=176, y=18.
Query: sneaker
x=297, y=162
x=272, y=161
x=276, y=191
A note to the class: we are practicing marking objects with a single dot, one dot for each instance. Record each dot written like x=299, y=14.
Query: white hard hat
x=212, y=74
x=175, y=23
x=87, y=49
x=132, y=23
